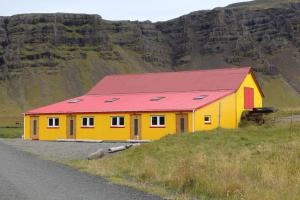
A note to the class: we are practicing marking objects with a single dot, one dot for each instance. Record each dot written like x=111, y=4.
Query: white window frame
x=118, y=121
x=158, y=121
x=207, y=121
x=88, y=122
x=53, y=122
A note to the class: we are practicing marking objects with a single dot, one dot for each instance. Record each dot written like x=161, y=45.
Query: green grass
x=249, y=163
x=11, y=121
x=11, y=132
x=279, y=93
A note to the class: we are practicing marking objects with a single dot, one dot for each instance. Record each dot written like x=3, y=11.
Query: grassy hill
x=249, y=163
x=43, y=85
x=279, y=93
x=45, y=58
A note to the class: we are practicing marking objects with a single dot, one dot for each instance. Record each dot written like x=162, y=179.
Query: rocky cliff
x=48, y=57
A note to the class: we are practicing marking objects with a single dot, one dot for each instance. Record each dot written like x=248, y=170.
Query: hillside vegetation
x=11, y=132
x=45, y=58
x=249, y=163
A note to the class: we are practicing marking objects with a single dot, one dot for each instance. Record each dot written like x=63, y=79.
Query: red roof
x=201, y=80
x=171, y=101
x=134, y=92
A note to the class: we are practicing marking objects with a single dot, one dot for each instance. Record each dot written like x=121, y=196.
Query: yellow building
x=149, y=106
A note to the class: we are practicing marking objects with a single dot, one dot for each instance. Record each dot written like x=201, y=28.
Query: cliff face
x=48, y=57
x=47, y=40
x=267, y=39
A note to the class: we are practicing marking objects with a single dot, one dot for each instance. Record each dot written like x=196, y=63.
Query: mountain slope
x=259, y=4
x=45, y=58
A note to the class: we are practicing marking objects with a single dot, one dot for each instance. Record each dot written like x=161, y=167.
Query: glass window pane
x=121, y=121
x=114, y=121
x=162, y=120
x=84, y=121
x=34, y=127
x=50, y=122
x=154, y=121
x=56, y=122
x=91, y=121
x=207, y=119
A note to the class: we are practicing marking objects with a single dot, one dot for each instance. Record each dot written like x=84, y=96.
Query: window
x=34, y=127
x=157, y=120
x=207, y=119
x=53, y=122
x=200, y=97
x=75, y=101
x=87, y=122
x=111, y=100
x=157, y=98
x=117, y=121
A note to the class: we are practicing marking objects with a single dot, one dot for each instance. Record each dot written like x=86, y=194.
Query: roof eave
x=110, y=112
x=211, y=102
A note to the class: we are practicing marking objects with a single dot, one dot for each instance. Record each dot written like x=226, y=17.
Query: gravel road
x=59, y=150
x=24, y=176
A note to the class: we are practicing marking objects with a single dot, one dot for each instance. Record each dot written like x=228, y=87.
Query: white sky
x=154, y=10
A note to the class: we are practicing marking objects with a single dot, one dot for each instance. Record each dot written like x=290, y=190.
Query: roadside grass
x=247, y=163
x=287, y=112
x=11, y=132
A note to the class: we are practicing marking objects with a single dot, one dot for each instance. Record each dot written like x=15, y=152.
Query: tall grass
x=11, y=132
x=250, y=163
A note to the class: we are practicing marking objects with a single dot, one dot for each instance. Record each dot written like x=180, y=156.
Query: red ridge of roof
x=183, y=81
x=173, y=101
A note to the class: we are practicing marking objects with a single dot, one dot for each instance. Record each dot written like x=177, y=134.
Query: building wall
x=150, y=133
x=258, y=99
x=222, y=113
x=102, y=129
x=27, y=126
x=46, y=133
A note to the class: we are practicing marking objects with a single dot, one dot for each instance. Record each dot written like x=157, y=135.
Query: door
x=248, y=98
x=71, y=130
x=181, y=123
x=135, y=127
x=34, y=130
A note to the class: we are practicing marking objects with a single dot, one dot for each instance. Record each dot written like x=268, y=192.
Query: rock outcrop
x=49, y=57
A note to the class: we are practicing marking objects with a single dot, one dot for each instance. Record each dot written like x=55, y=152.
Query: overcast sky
x=154, y=10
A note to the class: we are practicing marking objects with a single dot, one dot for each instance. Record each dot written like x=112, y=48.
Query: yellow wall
x=149, y=133
x=227, y=109
x=248, y=82
x=27, y=125
x=102, y=129
x=46, y=133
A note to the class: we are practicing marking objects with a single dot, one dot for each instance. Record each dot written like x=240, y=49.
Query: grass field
x=279, y=94
x=10, y=121
x=11, y=132
x=249, y=163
